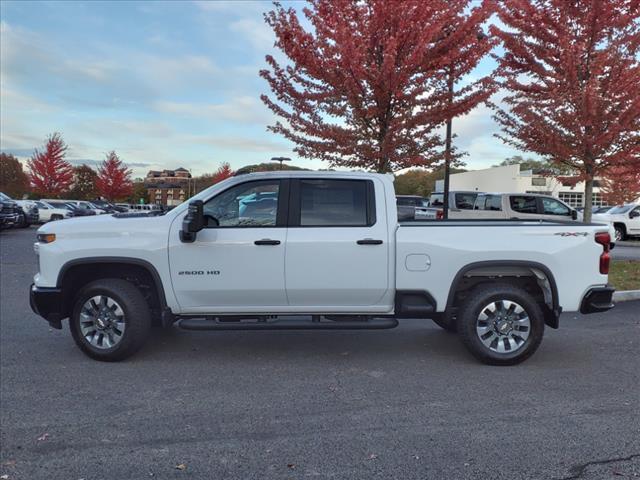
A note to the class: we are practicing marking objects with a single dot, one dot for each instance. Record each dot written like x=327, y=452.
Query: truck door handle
x=369, y=241
x=267, y=241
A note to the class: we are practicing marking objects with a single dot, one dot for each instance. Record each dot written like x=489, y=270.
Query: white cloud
x=255, y=31
x=242, y=109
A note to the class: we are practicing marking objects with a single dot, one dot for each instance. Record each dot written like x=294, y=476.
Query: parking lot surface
x=628, y=250
x=404, y=403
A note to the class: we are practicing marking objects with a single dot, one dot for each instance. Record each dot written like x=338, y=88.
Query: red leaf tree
x=223, y=172
x=114, y=179
x=621, y=185
x=49, y=173
x=571, y=70
x=364, y=88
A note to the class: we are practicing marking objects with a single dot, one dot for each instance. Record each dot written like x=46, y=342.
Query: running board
x=293, y=324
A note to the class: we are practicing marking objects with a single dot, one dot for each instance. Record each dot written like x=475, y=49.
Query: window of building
x=538, y=181
x=573, y=199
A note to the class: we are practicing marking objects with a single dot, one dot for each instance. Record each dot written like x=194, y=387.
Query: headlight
x=46, y=237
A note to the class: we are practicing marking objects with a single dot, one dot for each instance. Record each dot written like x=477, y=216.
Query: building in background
x=168, y=187
x=509, y=179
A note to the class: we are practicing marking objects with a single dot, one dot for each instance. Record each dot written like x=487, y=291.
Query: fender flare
x=552, y=319
x=155, y=276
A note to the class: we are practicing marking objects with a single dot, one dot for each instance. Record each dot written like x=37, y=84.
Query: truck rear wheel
x=110, y=320
x=501, y=324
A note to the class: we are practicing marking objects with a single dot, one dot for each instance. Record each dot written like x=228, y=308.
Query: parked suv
x=10, y=212
x=625, y=220
x=30, y=213
x=48, y=212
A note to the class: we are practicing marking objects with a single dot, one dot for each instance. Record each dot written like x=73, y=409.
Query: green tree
x=538, y=166
x=420, y=182
x=84, y=183
x=139, y=192
x=13, y=180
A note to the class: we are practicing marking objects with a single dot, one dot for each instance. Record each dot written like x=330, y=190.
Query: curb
x=626, y=295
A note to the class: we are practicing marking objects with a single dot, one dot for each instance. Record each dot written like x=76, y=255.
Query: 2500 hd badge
x=199, y=272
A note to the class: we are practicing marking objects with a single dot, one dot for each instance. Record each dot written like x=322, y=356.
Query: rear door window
x=523, y=204
x=336, y=203
x=493, y=202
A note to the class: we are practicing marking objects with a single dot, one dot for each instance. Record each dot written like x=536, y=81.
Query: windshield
x=620, y=209
x=4, y=197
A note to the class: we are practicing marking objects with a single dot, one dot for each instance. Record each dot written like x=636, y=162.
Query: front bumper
x=9, y=219
x=598, y=299
x=48, y=303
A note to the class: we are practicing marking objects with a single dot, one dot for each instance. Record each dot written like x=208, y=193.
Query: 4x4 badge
x=572, y=234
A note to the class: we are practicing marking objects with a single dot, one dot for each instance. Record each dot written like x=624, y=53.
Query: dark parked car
x=77, y=212
x=10, y=212
x=109, y=207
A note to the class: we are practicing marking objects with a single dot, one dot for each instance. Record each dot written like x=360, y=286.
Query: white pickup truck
x=314, y=250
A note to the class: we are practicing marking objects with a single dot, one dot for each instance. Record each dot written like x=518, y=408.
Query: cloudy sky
x=164, y=84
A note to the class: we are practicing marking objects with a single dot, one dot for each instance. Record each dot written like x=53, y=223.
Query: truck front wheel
x=501, y=324
x=110, y=320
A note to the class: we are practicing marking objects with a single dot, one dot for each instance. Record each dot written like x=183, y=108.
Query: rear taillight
x=604, y=239
x=439, y=215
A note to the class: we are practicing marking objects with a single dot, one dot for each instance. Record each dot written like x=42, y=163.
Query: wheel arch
x=477, y=272
x=76, y=273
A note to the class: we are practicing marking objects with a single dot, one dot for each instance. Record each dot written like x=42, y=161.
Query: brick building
x=168, y=187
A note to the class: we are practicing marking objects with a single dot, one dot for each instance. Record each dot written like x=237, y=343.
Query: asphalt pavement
x=407, y=403
x=627, y=250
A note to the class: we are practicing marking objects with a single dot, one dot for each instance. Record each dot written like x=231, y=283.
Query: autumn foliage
x=114, y=179
x=621, y=185
x=49, y=173
x=366, y=87
x=13, y=180
x=223, y=172
x=571, y=71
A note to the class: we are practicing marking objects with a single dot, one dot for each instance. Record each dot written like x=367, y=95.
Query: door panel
x=325, y=265
x=238, y=261
x=225, y=268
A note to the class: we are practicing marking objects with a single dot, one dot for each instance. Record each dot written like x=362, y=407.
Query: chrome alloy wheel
x=102, y=322
x=503, y=326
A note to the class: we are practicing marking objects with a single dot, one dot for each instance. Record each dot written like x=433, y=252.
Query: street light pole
x=280, y=159
x=447, y=147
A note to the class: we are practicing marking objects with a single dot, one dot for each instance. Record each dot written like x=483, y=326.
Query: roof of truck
x=307, y=173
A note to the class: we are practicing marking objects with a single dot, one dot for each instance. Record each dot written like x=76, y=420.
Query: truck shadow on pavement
x=419, y=339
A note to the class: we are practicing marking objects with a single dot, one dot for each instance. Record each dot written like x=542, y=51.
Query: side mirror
x=574, y=214
x=634, y=214
x=193, y=222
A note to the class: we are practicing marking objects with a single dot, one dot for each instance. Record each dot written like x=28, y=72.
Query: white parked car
x=624, y=218
x=48, y=212
x=326, y=247
x=512, y=206
x=80, y=204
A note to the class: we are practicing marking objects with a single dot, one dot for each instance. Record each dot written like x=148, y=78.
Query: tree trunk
x=588, y=198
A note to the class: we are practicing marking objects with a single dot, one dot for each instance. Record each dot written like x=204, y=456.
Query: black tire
x=621, y=233
x=447, y=323
x=137, y=318
x=55, y=217
x=468, y=317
